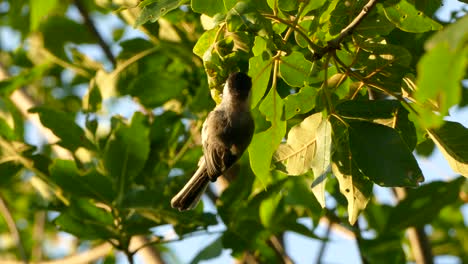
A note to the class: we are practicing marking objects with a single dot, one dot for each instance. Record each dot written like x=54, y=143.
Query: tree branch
x=420, y=246
x=13, y=229
x=92, y=28
x=87, y=256
x=335, y=43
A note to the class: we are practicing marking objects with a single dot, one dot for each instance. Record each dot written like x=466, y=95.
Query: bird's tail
x=190, y=195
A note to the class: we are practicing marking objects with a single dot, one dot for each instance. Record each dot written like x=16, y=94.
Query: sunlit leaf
x=407, y=18
x=298, y=153
x=152, y=10
x=265, y=143
x=63, y=126
x=452, y=140
x=295, y=69
x=321, y=162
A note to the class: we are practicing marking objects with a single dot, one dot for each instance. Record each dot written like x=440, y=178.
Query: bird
x=226, y=134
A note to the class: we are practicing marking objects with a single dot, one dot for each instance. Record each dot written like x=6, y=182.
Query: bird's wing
x=218, y=156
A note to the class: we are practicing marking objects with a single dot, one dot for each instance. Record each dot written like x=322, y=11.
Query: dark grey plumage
x=226, y=133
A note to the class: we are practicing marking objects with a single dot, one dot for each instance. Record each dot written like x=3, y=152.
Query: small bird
x=226, y=133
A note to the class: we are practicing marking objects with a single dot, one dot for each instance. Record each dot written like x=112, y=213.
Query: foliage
x=341, y=98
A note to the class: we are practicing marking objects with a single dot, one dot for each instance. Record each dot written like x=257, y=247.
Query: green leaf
x=297, y=193
x=422, y=205
x=93, y=98
x=452, y=140
x=92, y=185
x=208, y=7
x=39, y=10
x=8, y=170
x=288, y=5
x=354, y=185
x=244, y=16
x=381, y=155
x=211, y=251
x=205, y=41
x=6, y=131
x=152, y=10
x=383, y=249
x=260, y=70
x=265, y=143
x=321, y=162
x=312, y=5
x=126, y=151
x=295, y=69
x=269, y=210
x=385, y=64
x=455, y=36
x=386, y=112
x=440, y=72
x=406, y=17
x=86, y=221
x=375, y=24
x=56, y=33
x=24, y=78
x=167, y=86
x=301, y=102
x=63, y=126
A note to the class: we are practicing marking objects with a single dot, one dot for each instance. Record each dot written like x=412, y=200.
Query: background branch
x=92, y=28
x=420, y=245
x=5, y=211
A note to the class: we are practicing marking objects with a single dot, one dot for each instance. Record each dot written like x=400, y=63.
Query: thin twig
x=38, y=235
x=92, y=28
x=88, y=256
x=357, y=233
x=13, y=228
x=324, y=244
x=335, y=43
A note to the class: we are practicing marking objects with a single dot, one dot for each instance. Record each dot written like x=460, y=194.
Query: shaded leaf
x=86, y=221
x=152, y=10
x=381, y=155
x=92, y=185
x=63, y=126
x=126, y=151
x=406, y=17
x=211, y=251
x=354, y=185
x=419, y=206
